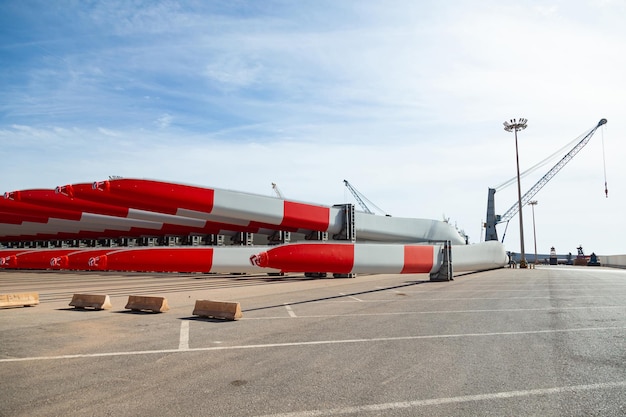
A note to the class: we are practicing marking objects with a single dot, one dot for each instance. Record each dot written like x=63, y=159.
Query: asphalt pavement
x=549, y=341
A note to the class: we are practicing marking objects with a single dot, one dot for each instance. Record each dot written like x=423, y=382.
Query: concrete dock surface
x=549, y=341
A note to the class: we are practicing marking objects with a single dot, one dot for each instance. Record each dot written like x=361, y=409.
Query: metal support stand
x=315, y=235
x=214, y=240
x=445, y=273
x=279, y=237
x=243, y=239
x=148, y=241
x=127, y=242
x=348, y=229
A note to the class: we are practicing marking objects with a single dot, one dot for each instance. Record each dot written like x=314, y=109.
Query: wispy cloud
x=403, y=99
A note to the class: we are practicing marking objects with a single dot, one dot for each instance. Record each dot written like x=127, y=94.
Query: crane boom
x=493, y=220
x=357, y=196
x=360, y=197
x=279, y=194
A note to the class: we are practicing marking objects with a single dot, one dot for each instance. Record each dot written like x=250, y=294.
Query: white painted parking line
x=351, y=296
x=450, y=400
x=290, y=311
x=397, y=313
x=312, y=343
x=610, y=289
x=383, y=300
x=530, y=284
x=183, y=343
x=569, y=297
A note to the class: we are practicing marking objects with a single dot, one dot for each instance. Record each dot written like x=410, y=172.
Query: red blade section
x=51, y=198
x=156, y=197
x=305, y=216
x=302, y=257
x=170, y=198
x=80, y=259
x=147, y=195
x=8, y=257
x=155, y=259
x=43, y=258
x=17, y=219
x=40, y=206
x=20, y=208
x=418, y=259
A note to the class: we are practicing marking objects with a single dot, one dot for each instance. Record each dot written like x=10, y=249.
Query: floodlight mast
x=515, y=126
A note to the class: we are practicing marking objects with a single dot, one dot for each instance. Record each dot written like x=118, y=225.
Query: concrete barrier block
x=218, y=309
x=154, y=304
x=19, y=299
x=95, y=301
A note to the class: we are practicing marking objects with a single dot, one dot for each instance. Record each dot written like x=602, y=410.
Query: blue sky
x=404, y=99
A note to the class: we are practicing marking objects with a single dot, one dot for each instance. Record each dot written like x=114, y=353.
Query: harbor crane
x=360, y=197
x=279, y=194
x=493, y=219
